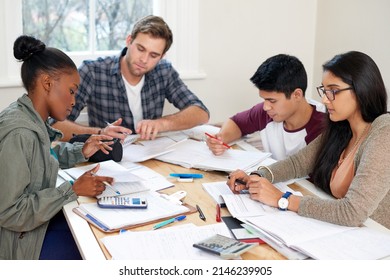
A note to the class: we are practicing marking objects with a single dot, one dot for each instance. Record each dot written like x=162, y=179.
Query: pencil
x=223, y=143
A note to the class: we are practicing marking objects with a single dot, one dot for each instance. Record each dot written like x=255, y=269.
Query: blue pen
x=186, y=175
x=167, y=222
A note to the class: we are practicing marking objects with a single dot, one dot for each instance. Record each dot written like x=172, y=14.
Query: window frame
x=181, y=15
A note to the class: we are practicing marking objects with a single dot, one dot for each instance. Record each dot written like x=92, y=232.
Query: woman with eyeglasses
x=350, y=160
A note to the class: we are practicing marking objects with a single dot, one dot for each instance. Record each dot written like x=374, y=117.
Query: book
x=196, y=154
x=110, y=220
x=239, y=232
x=321, y=240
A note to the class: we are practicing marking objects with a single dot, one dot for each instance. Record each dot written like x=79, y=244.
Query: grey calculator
x=226, y=247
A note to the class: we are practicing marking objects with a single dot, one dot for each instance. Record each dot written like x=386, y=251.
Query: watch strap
x=286, y=195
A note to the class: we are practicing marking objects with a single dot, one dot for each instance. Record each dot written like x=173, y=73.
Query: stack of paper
x=198, y=132
x=322, y=240
x=147, y=149
x=196, y=154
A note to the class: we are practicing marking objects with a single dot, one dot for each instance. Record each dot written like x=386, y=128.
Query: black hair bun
x=25, y=46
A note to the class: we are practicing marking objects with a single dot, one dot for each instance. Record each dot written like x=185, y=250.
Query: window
x=80, y=26
x=87, y=29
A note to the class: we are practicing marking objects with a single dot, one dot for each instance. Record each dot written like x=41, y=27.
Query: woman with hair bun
x=32, y=225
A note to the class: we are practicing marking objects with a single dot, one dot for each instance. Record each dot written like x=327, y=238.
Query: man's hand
x=115, y=130
x=148, y=129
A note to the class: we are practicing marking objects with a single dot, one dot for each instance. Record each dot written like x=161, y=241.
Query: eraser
x=185, y=180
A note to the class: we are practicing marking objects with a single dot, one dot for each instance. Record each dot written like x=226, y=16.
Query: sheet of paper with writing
x=241, y=205
x=196, y=154
x=169, y=243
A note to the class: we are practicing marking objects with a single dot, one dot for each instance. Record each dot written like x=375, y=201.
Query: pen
x=238, y=182
x=218, y=216
x=223, y=143
x=186, y=175
x=110, y=124
x=167, y=222
x=108, y=185
x=111, y=187
x=201, y=215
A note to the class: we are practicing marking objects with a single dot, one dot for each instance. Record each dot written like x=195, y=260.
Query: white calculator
x=122, y=202
x=226, y=247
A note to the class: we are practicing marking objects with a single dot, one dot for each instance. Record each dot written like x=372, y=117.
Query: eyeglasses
x=330, y=93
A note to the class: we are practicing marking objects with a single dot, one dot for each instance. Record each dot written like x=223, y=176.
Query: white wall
x=346, y=25
x=237, y=36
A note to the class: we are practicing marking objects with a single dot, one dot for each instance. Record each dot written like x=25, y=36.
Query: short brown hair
x=156, y=27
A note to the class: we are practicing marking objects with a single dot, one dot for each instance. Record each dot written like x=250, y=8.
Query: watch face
x=283, y=203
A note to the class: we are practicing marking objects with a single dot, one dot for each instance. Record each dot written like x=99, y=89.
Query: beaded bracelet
x=269, y=170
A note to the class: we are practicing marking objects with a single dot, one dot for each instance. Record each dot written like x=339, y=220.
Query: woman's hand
x=262, y=190
x=91, y=185
x=237, y=181
x=95, y=143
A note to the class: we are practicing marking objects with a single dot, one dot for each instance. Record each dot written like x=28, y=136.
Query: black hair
x=37, y=59
x=360, y=72
x=281, y=73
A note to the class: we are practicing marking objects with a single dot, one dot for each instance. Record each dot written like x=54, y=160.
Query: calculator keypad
x=224, y=246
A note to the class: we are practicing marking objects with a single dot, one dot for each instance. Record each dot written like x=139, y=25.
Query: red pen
x=218, y=216
x=223, y=143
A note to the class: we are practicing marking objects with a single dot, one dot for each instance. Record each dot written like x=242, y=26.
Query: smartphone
x=122, y=202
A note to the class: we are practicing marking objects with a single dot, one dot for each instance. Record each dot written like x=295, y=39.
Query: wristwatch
x=283, y=201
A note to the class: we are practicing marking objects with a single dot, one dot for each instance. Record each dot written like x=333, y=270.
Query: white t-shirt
x=134, y=97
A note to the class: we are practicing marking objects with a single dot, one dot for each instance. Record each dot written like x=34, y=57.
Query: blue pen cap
x=180, y=218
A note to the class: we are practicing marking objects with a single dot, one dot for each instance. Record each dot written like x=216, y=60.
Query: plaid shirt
x=103, y=91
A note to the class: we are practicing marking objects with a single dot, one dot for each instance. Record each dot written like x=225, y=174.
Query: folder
x=111, y=220
x=234, y=225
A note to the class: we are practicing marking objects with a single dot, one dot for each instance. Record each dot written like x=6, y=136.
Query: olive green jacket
x=28, y=172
